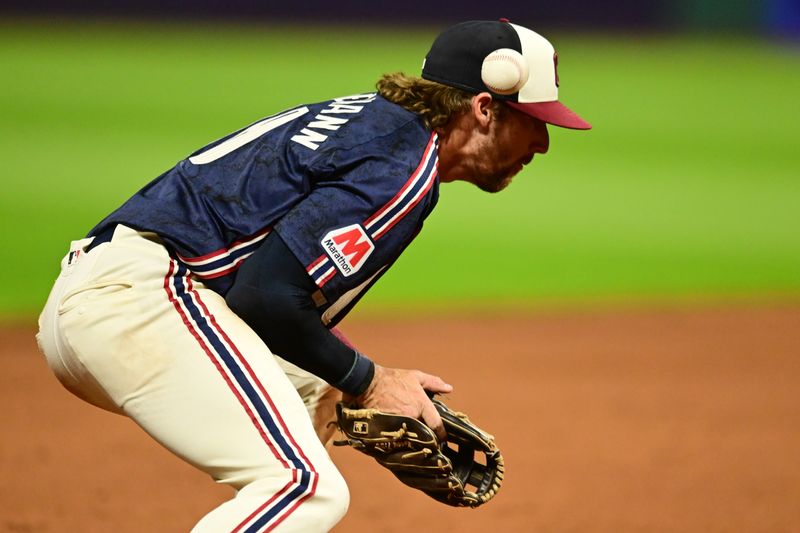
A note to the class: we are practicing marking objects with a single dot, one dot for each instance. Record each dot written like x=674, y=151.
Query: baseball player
x=204, y=308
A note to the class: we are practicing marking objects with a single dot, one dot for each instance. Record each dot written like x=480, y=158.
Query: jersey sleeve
x=352, y=226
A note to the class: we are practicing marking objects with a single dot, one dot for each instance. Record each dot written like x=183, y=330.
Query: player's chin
x=496, y=183
x=495, y=186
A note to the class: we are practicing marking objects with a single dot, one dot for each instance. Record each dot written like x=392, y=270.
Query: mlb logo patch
x=360, y=427
x=348, y=247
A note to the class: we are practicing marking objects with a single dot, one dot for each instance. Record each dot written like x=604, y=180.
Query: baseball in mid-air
x=504, y=71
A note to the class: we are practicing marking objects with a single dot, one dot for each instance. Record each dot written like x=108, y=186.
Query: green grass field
x=688, y=186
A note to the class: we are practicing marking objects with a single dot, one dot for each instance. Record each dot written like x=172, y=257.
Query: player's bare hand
x=404, y=392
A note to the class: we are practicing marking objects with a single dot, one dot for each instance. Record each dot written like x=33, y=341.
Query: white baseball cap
x=516, y=65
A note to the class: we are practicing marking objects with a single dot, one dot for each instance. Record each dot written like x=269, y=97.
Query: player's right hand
x=403, y=392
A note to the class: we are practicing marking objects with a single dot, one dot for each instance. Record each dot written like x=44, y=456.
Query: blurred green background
x=687, y=187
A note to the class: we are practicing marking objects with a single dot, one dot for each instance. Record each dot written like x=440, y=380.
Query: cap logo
x=555, y=66
x=504, y=71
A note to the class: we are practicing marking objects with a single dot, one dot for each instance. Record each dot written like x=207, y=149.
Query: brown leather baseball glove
x=466, y=470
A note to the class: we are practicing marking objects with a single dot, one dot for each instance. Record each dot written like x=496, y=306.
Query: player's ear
x=482, y=108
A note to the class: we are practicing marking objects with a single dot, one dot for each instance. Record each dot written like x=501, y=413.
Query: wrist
x=368, y=392
x=359, y=378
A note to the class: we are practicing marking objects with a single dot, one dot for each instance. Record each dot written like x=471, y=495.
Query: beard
x=496, y=181
x=493, y=176
x=493, y=184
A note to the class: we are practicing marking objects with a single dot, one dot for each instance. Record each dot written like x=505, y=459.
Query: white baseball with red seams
x=504, y=71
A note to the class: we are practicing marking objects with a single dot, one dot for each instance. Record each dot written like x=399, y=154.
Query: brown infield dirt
x=672, y=420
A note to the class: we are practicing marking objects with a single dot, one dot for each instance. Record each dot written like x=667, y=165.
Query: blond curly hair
x=434, y=102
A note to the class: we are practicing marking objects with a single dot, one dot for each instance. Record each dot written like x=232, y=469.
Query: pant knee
x=313, y=502
x=333, y=491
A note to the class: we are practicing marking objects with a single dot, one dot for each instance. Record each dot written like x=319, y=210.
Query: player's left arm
x=272, y=294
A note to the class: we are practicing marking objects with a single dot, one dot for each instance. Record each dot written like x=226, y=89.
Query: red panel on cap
x=554, y=113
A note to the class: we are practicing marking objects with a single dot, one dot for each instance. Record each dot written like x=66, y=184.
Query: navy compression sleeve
x=272, y=294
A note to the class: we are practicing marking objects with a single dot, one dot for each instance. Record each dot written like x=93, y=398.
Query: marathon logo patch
x=348, y=248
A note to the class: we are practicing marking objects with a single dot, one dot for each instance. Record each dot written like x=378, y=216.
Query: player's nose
x=541, y=139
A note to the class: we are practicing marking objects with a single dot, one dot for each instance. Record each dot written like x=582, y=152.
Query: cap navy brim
x=554, y=113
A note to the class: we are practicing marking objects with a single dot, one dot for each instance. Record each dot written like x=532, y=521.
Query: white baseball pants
x=127, y=329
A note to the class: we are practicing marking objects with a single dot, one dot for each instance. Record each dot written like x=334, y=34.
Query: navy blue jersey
x=345, y=183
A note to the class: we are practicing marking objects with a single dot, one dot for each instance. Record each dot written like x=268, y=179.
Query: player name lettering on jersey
x=348, y=247
x=311, y=138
